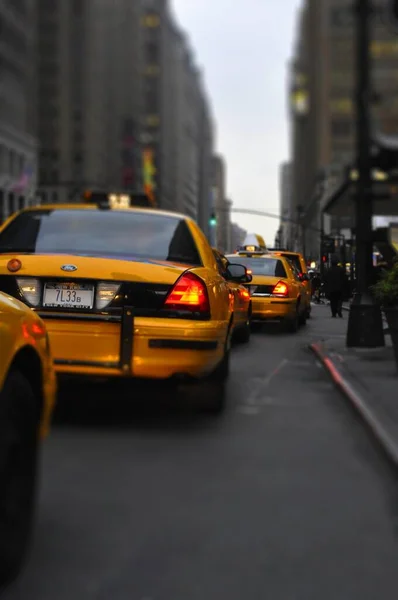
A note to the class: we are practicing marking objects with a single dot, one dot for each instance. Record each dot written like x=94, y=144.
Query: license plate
x=68, y=295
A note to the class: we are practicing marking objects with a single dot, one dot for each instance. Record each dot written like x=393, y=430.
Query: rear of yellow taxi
x=298, y=261
x=276, y=294
x=124, y=293
x=27, y=397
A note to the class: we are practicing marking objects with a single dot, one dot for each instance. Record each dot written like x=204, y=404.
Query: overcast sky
x=243, y=49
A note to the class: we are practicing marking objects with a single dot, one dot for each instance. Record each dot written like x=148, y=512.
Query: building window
x=341, y=128
x=152, y=120
x=152, y=70
x=151, y=20
x=152, y=53
x=151, y=101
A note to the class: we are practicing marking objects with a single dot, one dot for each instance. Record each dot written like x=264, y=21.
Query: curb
x=343, y=382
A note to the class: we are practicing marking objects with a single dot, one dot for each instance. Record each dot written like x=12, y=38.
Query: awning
x=340, y=201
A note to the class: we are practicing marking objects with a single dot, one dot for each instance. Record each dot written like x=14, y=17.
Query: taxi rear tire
x=209, y=394
x=214, y=388
x=293, y=324
x=18, y=472
x=242, y=335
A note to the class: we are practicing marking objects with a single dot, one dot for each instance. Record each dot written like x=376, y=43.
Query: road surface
x=283, y=498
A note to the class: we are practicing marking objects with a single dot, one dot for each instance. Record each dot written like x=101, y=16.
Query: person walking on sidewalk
x=336, y=285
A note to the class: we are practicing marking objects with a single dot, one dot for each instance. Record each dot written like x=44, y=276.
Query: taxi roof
x=94, y=206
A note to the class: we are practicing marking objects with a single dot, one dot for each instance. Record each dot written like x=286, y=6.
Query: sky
x=244, y=49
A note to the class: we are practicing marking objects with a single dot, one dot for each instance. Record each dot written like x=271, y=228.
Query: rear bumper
x=269, y=309
x=138, y=347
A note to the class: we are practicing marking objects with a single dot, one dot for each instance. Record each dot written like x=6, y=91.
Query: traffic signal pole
x=365, y=325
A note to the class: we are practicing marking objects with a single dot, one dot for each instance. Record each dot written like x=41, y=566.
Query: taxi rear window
x=271, y=267
x=118, y=234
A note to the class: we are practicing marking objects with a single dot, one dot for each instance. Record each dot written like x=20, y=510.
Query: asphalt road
x=283, y=498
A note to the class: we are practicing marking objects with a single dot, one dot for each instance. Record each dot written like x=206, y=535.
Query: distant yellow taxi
x=298, y=262
x=241, y=299
x=124, y=291
x=27, y=397
x=276, y=291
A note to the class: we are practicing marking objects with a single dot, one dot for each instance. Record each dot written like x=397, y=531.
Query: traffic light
x=324, y=258
x=213, y=220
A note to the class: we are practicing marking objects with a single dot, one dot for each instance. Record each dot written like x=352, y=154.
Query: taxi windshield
x=105, y=233
x=271, y=267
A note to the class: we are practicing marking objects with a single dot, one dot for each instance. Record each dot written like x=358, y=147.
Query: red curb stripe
x=382, y=436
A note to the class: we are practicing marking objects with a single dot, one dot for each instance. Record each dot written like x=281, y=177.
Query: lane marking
x=263, y=382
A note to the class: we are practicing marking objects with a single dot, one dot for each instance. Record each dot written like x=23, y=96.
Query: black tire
x=209, y=395
x=242, y=335
x=303, y=319
x=293, y=325
x=18, y=472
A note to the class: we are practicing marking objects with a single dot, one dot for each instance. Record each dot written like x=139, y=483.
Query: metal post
x=365, y=325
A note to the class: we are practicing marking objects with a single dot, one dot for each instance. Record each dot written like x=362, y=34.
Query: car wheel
x=209, y=395
x=294, y=324
x=242, y=335
x=18, y=472
x=303, y=319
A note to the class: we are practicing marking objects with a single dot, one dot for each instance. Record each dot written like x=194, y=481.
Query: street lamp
x=365, y=325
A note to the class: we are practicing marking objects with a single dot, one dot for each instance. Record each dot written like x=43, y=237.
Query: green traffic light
x=213, y=220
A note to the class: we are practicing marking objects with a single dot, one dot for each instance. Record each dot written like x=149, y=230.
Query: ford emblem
x=69, y=268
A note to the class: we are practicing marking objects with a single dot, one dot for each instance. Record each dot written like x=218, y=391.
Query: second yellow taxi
x=124, y=292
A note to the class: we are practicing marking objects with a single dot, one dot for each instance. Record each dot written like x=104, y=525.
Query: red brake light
x=189, y=293
x=280, y=289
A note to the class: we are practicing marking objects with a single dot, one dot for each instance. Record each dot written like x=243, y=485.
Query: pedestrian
x=336, y=285
x=316, y=287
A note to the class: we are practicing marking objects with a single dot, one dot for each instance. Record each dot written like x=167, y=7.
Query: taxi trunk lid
x=102, y=268
x=144, y=284
x=263, y=285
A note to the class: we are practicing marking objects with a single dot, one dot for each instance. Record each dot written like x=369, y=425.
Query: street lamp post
x=365, y=325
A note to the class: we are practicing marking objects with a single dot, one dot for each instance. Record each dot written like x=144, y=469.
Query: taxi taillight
x=281, y=290
x=189, y=293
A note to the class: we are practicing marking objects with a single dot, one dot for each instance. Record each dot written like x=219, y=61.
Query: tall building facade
x=221, y=204
x=322, y=108
x=18, y=145
x=286, y=232
x=238, y=235
x=71, y=99
x=121, y=104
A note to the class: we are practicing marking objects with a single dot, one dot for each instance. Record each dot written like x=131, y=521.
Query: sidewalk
x=368, y=379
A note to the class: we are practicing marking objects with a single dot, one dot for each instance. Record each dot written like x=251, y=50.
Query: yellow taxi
x=276, y=291
x=125, y=291
x=298, y=261
x=27, y=397
x=242, y=303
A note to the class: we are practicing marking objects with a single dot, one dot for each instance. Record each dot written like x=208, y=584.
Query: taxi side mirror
x=238, y=274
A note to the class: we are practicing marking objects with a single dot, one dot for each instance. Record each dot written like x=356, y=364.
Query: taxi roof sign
x=253, y=242
x=116, y=200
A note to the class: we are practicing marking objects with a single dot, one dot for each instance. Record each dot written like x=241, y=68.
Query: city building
x=178, y=129
x=71, y=99
x=237, y=236
x=130, y=113
x=18, y=145
x=322, y=87
x=286, y=231
x=221, y=204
